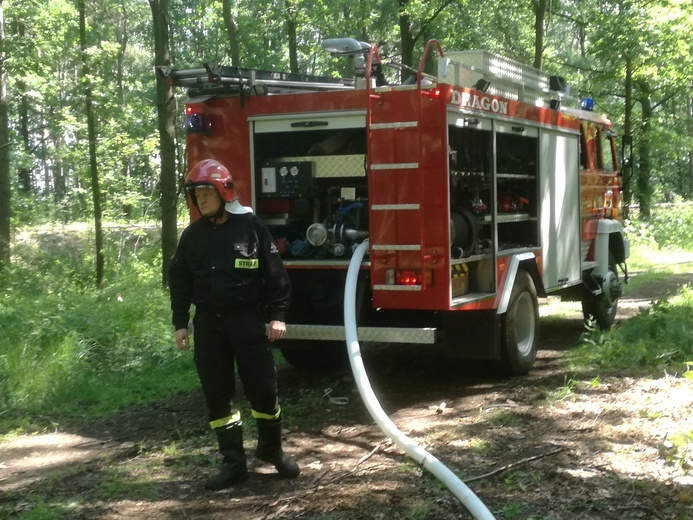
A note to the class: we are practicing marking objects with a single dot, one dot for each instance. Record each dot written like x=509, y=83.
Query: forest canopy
x=634, y=57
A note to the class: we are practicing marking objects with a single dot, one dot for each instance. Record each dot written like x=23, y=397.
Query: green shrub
x=659, y=339
x=66, y=346
x=669, y=226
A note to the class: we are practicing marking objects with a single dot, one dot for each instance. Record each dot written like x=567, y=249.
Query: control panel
x=286, y=180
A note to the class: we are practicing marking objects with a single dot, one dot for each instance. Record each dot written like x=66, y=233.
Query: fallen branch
x=353, y=470
x=514, y=464
x=300, y=496
x=367, y=456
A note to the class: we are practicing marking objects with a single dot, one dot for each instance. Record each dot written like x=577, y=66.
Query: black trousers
x=235, y=336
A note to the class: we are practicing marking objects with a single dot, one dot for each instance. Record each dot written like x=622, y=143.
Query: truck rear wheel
x=520, y=333
x=602, y=309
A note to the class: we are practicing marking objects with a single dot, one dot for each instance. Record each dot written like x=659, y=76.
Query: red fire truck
x=479, y=189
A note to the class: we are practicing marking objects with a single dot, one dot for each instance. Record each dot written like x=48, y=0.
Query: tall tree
x=232, y=31
x=166, y=108
x=24, y=171
x=415, y=20
x=689, y=127
x=628, y=138
x=4, y=151
x=91, y=132
x=540, y=9
x=645, y=172
x=291, y=24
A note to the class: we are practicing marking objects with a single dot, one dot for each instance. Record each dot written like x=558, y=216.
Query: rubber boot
x=269, y=448
x=233, y=468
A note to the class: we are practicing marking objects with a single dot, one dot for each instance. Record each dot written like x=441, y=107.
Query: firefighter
x=226, y=265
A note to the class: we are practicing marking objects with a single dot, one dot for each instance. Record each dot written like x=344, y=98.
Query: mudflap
x=472, y=334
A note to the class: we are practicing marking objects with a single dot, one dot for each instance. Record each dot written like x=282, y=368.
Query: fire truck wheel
x=602, y=309
x=318, y=355
x=520, y=333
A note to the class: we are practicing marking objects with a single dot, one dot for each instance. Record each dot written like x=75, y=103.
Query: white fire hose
x=475, y=506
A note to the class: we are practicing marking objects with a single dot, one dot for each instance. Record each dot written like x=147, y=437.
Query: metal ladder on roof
x=213, y=79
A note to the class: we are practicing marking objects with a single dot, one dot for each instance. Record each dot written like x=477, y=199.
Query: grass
x=69, y=348
x=649, y=264
x=657, y=341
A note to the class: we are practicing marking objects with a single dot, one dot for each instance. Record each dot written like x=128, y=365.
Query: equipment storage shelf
x=468, y=259
x=517, y=150
x=493, y=196
x=508, y=217
x=515, y=176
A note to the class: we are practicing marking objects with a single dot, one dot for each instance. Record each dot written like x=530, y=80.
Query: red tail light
x=413, y=277
x=433, y=93
x=408, y=278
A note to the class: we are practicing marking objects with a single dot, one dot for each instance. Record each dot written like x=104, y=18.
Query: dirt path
x=541, y=446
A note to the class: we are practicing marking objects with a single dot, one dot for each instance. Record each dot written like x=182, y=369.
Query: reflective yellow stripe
x=218, y=423
x=266, y=416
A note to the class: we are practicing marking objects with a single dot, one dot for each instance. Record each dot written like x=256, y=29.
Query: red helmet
x=210, y=172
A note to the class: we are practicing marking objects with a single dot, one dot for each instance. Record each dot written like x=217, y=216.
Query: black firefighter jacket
x=230, y=266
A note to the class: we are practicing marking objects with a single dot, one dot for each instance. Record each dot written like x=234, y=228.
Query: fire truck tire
x=520, y=331
x=318, y=355
x=602, y=309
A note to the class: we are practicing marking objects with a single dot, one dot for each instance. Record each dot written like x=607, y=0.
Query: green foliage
x=677, y=450
x=587, y=43
x=659, y=340
x=66, y=347
x=670, y=227
x=34, y=508
x=563, y=392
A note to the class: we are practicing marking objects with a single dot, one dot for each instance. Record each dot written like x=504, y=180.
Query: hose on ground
x=475, y=506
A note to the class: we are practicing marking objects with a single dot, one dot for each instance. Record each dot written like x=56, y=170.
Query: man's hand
x=276, y=330
x=182, y=339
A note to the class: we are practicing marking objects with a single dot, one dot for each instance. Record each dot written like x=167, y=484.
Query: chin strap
x=218, y=215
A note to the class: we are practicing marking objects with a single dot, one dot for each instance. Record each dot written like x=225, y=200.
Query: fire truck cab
x=478, y=187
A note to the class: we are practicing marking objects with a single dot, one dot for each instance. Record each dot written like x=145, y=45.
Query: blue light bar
x=587, y=104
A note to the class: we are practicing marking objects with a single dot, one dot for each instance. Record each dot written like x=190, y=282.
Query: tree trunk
x=291, y=31
x=407, y=40
x=539, y=20
x=91, y=132
x=689, y=105
x=644, y=188
x=166, y=108
x=122, y=49
x=5, y=212
x=123, y=38
x=627, y=173
x=24, y=173
x=232, y=31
